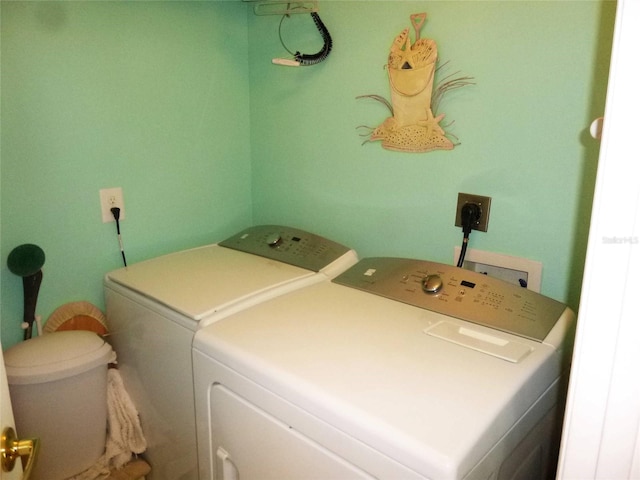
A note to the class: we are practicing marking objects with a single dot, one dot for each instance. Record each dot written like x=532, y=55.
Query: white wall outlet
x=109, y=198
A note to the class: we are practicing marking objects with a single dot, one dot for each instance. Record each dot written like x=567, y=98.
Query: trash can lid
x=54, y=356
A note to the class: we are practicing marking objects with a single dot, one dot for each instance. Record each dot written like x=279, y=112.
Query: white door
x=601, y=438
x=6, y=420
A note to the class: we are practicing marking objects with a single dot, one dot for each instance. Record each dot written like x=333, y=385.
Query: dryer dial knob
x=432, y=283
x=274, y=240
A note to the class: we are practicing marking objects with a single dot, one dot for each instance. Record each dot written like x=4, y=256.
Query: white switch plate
x=109, y=198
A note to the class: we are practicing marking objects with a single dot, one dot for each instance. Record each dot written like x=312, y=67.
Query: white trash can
x=58, y=386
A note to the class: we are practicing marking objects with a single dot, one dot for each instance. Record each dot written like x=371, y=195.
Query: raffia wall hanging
x=413, y=126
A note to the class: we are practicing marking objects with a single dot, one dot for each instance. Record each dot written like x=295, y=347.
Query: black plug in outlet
x=484, y=205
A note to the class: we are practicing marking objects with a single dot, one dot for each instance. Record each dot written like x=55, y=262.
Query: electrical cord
x=469, y=216
x=115, y=211
x=309, y=59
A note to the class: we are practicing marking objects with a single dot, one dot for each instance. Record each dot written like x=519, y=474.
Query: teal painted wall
x=540, y=70
x=148, y=96
x=178, y=103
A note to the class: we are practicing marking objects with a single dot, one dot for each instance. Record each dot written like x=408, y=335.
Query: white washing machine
x=397, y=369
x=155, y=307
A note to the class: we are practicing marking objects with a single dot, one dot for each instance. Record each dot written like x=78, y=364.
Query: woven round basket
x=77, y=316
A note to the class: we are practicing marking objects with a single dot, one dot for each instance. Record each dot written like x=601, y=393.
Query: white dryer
x=398, y=369
x=155, y=307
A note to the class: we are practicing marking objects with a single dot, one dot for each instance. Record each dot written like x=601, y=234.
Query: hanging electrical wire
x=307, y=59
x=116, y=215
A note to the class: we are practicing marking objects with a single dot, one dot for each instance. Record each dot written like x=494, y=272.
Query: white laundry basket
x=58, y=386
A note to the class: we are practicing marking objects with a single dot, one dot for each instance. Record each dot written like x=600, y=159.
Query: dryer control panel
x=287, y=245
x=458, y=293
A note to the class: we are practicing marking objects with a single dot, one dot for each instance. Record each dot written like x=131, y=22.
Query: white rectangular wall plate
x=506, y=267
x=111, y=197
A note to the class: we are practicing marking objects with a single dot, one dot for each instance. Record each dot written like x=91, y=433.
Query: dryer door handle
x=226, y=469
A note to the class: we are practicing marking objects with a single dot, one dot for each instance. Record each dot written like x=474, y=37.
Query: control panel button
x=432, y=283
x=274, y=240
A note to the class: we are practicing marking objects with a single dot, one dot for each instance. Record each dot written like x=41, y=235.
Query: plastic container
x=58, y=386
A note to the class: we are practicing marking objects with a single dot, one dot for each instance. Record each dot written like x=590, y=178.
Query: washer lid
x=257, y=263
x=199, y=282
x=54, y=356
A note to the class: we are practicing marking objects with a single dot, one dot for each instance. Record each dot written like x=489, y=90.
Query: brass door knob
x=11, y=448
